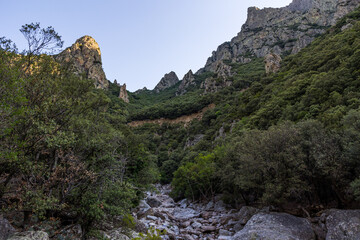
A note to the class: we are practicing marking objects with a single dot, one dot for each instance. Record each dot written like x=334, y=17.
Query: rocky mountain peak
x=85, y=56
x=283, y=30
x=187, y=81
x=169, y=80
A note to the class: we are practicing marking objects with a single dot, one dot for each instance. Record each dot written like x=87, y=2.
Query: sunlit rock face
x=280, y=30
x=85, y=57
x=169, y=80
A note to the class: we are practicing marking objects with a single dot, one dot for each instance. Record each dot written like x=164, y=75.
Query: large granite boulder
x=276, y=226
x=343, y=224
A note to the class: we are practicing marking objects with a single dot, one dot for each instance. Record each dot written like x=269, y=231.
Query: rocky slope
x=214, y=220
x=85, y=57
x=280, y=30
x=169, y=80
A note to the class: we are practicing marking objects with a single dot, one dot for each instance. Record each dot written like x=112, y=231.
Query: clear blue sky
x=140, y=40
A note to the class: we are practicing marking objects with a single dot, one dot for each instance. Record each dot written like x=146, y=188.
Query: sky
x=140, y=40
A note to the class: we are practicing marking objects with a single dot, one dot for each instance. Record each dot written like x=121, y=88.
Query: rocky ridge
x=280, y=30
x=169, y=80
x=85, y=58
x=277, y=31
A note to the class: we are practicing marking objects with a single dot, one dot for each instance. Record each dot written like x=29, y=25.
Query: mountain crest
x=85, y=56
x=169, y=80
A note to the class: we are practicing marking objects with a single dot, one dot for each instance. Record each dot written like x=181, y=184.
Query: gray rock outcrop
x=343, y=224
x=85, y=57
x=123, y=93
x=187, y=81
x=272, y=63
x=169, y=80
x=276, y=226
x=280, y=30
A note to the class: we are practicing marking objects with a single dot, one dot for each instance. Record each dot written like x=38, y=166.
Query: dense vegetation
x=65, y=151
x=287, y=139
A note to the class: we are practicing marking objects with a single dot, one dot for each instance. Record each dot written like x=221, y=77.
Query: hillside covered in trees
x=289, y=139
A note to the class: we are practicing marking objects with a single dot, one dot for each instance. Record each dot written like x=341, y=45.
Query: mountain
x=169, y=80
x=282, y=31
x=85, y=57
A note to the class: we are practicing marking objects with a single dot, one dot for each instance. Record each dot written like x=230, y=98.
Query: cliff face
x=85, y=57
x=280, y=30
x=169, y=80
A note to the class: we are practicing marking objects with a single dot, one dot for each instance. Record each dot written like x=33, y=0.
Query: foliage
x=64, y=145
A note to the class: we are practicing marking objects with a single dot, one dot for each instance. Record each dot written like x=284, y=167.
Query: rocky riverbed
x=185, y=220
x=214, y=220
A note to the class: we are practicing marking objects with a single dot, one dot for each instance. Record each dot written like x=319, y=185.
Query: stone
x=245, y=214
x=272, y=63
x=196, y=225
x=276, y=226
x=123, y=93
x=117, y=234
x=30, y=235
x=220, y=206
x=150, y=217
x=187, y=81
x=343, y=224
x=74, y=232
x=169, y=80
x=84, y=57
x=153, y=202
x=224, y=232
x=6, y=229
x=183, y=214
x=207, y=229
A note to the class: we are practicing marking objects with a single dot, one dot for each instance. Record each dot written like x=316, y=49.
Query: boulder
x=343, y=224
x=245, y=214
x=6, y=229
x=183, y=214
x=153, y=202
x=30, y=235
x=276, y=226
